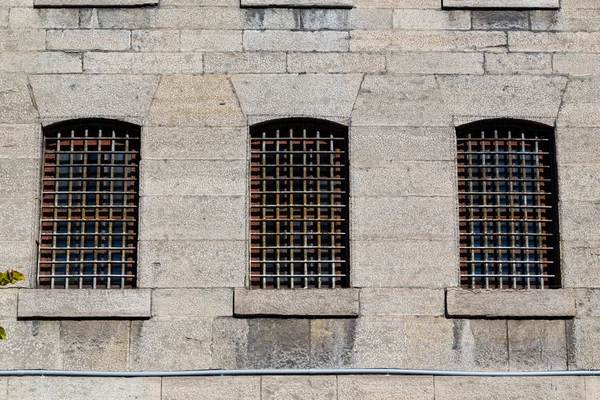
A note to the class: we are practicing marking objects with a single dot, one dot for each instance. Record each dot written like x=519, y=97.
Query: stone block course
x=172, y=18
x=579, y=182
x=551, y=42
x=425, y=4
x=192, y=302
x=272, y=18
x=362, y=387
x=379, y=342
x=142, y=63
x=17, y=217
x=579, y=220
x=41, y=63
x=295, y=41
x=408, y=19
x=332, y=342
x=93, y=3
x=299, y=387
x=19, y=141
x=296, y=3
x=501, y=4
x=20, y=255
x=18, y=178
x=401, y=302
x=88, y=40
x=435, y=63
x=43, y=18
x=518, y=63
x=581, y=260
x=580, y=65
x=336, y=62
x=245, y=62
x=538, y=345
x=211, y=40
x=222, y=387
x=500, y=20
x=8, y=304
x=156, y=40
x=324, y=19
x=368, y=18
x=565, y=20
x=31, y=345
x=16, y=105
x=23, y=40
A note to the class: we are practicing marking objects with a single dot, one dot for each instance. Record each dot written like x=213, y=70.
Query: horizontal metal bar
x=507, y=179
x=68, y=220
x=297, y=178
x=299, y=206
x=296, y=261
x=88, y=234
x=298, y=247
x=505, y=248
x=500, y=166
x=51, y=262
x=297, y=220
x=299, y=233
x=98, y=165
x=313, y=192
x=42, y=248
x=505, y=262
x=504, y=206
x=525, y=153
x=99, y=152
x=508, y=276
x=130, y=193
x=92, y=138
x=340, y=152
x=510, y=139
x=326, y=139
x=87, y=276
x=90, y=179
x=504, y=234
x=512, y=220
x=299, y=276
x=47, y=207
x=291, y=164
x=506, y=193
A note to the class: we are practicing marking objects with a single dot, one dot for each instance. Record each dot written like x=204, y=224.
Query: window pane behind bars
x=299, y=201
x=507, y=207
x=89, y=206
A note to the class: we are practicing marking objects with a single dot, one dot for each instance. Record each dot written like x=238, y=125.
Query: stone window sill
x=84, y=303
x=535, y=303
x=501, y=4
x=298, y=3
x=296, y=302
x=94, y=3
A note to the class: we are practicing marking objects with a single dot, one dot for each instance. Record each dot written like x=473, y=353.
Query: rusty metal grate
x=507, y=206
x=299, y=205
x=89, y=211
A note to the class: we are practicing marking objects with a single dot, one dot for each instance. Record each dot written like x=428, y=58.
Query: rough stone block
x=431, y=20
x=171, y=344
x=94, y=3
x=301, y=302
x=20, y=256
x=198, y=264
x=380, y=343
x=61, y=97
x=94, y=39
x=398, y=40
x=579, y=182
x=510, y=303
x=583, y=336
x=272, y=18
x=277, y=343
x=565, y=20
x=400, y=101
x=592, y=387
x=518, y=64
x=23, y=40
x=538, y=345
x=377, y=387
x=30, y=345
x=41, y=63
x=211, y=40
x=155, y=40
x=580, y=4
x=576, y=64
x=336, y=62
x=578, y=145
x=84, y=303
x=510, y=388
x=579, y=220
x=503, y=96
x=17, y=219
x=401, y=302
x=365, y=18
x=415, y=178
x=18, y=178
x=400, y=263
x=435, y=63
x=500, y=20
x=198, y=143
x=15, y=102
x=192, y=302
x=188, y=100
x=500, y=4
x=45, y=18
x=296, y=41
x=19, y=141
x=580, y=261
x=193, y=218
x=221, y=387
x=314, y=95
x=246, y=62
x=94, y=345
x=588, y=302
x=172, y=18
x=299, y=387
x=580, y=104
x=193, y=178
x=8, y=303
x=296, y=3
x=51, y=388
x=230, y=341
x=431, y=218
x=4, y=17
x=142, y=63
x=551, y=42
x=332, y=342
x=435, y=4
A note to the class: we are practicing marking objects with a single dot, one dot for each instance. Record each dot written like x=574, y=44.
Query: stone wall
x=402, y=74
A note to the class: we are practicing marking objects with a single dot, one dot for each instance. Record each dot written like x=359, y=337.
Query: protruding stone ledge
x=94, y=3
x=84, y=303
x=549, y=303
x=299, y=302
x=297, y=3
x=502, y=4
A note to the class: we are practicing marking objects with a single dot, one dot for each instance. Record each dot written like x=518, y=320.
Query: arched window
x=89, y=207
x=507, y=205
x=299, y=204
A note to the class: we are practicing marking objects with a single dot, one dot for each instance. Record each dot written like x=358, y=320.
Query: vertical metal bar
x=512, y=203
x=540, y=213
x=263, y=168
x=471, y=224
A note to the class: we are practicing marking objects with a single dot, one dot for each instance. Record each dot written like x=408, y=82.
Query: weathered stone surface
x=579, y=220
x=296, y=3
x=94, y=345
x=247, y=62
x=503, y=96
x=398, y=40
x=429, y=343
x=401, y=302
x=51, y=388
x=567, y=42
x=510, y=303
x=510, y=388
x=193, y=178
x=505, y=19
x=588, y=302
x=192, y=302
x=435, y=4
x=61, y=97
x=188, y=100
x=84, y=303
x=93, y=3
x=142, y=63
x=400, y=263
x=88, y=40
x=296, y=41
x=221, y=387
x=565, y=20
x=299, y=387
x=31, y=345
x=580, y=104
x=20, y=256
x=323, y=19
x=403, y=218
x=8, y=304
x=19, y=141
x=17, y=219
x=45, y=18
x=435, y=63
x=580, y=264
x=538, y=345
x=211, y=40
x=156, y=40
x=340, y=302
x=289, y=95
x=193, y=218
x=579, y=182
x=592, y=387
x=380, y=343
x=583, y=336
x=18, y=178
x=172, y=18
x=41, y=63
x=185, y=343
x=518, y=63
x=365, y=18
x=501, y=3
x=230, y=342
x=336, y=62
x=277, y=343
x=332, y=342
x=15, y=101
x=431, y=19
x=377, y=387
x=272, y=18
x=23, y=40
x=578, y=145
x=198, y=264
x=400, y=101
x=576, y=64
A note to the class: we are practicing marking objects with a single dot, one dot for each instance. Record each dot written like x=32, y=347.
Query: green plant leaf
x=2, y=333
x=17, y=275
x=4, y=280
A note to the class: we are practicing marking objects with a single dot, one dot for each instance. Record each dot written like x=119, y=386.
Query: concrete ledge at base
x=94, y=3
x=510, y=303
x=298, y=302
x=84, y=303
x=502, y=4
x=297, y=3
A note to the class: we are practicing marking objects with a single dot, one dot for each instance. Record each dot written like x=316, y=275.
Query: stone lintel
x=501, y=4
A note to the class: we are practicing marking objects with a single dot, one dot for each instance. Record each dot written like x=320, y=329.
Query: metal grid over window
x=89, y=211
x=299, y=205
x=507, y=206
